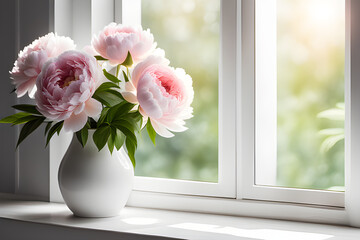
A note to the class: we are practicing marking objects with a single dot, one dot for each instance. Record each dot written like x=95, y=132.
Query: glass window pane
x=308, y=94
x=188, y=31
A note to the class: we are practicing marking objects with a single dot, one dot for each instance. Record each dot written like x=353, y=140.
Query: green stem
x=117, y=70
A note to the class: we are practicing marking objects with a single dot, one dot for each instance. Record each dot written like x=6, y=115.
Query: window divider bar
x=245, y=98
x=265, y=92
x=102, y=13
x=227, y=96
x=130, y=12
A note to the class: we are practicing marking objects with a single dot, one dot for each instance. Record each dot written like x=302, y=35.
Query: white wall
x=22, y=21
x=7, y=134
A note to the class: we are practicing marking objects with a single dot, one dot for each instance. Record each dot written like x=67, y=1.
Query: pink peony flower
x=65, y=87
x=31, y=59
x=163, y=93
x=115, y=41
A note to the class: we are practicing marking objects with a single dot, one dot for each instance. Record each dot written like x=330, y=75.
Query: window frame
x=256, y=206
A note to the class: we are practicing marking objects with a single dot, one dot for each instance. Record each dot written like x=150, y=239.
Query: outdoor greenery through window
x=188, y=30
x=310, y=44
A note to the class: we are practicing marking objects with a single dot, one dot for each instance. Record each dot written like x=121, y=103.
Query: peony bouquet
x=118, y=85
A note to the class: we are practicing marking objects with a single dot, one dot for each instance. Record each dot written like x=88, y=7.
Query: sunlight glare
x=263, y=234
x=322, y=12
x=323, y=15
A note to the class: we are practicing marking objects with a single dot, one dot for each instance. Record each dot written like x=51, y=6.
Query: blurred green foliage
x=311, y=47
x=332, y=135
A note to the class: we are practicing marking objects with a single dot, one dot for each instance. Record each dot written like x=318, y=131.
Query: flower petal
x=130, y=97
x=92, y=107
x=75, y=122
x=161, y=130
x=31, y=72
x=27, y=86
x=79, y=109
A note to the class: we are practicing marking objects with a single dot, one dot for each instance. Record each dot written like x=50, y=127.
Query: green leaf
x=100, y=58
x=111, y=140
x=109, y=97
x=127, y=122
x=91, y=123
x=128, y=61
x=136, y=116
x=27, y=108
x=28, y=128
x=131, y=148
x=111, y=77
x=125, y=76
x=106, y=85
x=56, y=128
x=123, y=123
x=101, y=136
x=119, y=139
x=47, y=128
x=132, y=122
x=106, y=95
x=26, y=119
x=151, y=131
x=119, y=110
x=117, y=95
x=82, y=135
x=126, y=131
x=103, y=116
x=14, y=117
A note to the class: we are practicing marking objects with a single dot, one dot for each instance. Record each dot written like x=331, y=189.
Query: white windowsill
x=43, y=220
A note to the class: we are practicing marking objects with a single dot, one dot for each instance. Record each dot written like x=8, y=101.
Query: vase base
x=95, y=214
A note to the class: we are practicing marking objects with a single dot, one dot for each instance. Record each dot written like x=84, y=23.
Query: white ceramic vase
x=93, y=183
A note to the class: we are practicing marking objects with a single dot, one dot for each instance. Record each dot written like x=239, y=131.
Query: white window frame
x=253, y=106
x=237, y=198
x=265, y=92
